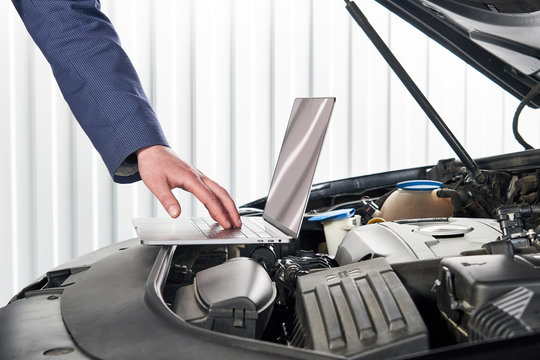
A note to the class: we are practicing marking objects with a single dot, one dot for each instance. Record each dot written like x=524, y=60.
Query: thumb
x=167, y=199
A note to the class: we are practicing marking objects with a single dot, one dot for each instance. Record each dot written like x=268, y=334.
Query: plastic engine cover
x=513, y=314
x=489, y=296
x=361, y=308
x=408, y=240
x=235, y=297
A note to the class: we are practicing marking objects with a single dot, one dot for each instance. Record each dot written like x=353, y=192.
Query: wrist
x=149, y=149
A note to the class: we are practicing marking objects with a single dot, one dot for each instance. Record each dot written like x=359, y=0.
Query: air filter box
x=235, y=297
x=361, y=308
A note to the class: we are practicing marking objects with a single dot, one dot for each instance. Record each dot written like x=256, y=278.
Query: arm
x=104, y=93
x=96, y=78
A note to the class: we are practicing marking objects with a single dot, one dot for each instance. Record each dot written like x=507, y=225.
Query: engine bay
x=391, y=265
x=453, y=260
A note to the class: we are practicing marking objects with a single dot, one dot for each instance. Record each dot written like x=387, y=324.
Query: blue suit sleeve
x=96, y=78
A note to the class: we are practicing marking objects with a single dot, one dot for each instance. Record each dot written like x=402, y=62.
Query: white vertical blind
x=222, y=76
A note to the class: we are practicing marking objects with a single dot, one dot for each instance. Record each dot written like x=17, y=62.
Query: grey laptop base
x=287, y=198
x=197, y=231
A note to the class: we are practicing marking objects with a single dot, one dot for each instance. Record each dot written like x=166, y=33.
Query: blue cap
x=333, y=215
x=419, y=185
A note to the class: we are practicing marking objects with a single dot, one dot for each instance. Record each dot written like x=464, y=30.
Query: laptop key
x=248, y=233
x=251, y=228
x=204, y=228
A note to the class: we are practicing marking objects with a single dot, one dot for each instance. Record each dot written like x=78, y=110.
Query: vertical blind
x=222, y=77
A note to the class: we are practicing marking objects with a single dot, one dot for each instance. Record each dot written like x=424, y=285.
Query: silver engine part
x=408, y=240
x=235, y=297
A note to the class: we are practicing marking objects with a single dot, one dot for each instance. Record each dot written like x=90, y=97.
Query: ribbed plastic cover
x=515, y=313
x=358, y=308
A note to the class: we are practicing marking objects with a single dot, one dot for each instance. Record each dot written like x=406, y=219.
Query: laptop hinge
x=280, y=226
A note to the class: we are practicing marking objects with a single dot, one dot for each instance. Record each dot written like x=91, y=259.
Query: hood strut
x=424, y=103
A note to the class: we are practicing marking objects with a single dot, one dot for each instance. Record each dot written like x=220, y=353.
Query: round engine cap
x=445, y=230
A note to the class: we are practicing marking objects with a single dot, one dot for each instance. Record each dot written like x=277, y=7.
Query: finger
x=226, y=200
x=209, y=199
x=163, y=193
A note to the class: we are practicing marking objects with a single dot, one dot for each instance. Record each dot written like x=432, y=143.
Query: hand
x=162, y=170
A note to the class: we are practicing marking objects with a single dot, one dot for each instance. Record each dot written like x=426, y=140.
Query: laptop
x=287, y=198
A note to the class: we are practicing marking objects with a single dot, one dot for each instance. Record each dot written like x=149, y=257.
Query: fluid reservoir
x=337, y=224
x=416, y=199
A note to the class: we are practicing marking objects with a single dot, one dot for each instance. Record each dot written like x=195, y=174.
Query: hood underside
x=498, y=38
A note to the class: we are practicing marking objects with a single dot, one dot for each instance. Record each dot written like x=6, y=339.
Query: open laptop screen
x=295, y=168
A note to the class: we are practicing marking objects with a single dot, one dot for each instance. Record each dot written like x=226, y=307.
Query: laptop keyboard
x=251, y=228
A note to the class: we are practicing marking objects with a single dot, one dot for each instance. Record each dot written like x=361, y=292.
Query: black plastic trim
x=117, y=312
x=518, y=161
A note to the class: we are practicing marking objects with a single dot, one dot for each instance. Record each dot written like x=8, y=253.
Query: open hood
x=501, y=39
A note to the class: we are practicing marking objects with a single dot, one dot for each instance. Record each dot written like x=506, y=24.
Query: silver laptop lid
x=295, y=168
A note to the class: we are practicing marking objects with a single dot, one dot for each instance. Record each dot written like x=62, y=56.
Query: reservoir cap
x=333, y=215
x=419, y=185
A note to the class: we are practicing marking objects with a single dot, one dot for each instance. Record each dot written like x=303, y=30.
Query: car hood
x=498, y=38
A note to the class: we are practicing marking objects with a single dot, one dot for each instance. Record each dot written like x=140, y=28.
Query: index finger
x=210, y=200
x=226, y=200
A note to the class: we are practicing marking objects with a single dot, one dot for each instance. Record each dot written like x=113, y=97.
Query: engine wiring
x=532, y=93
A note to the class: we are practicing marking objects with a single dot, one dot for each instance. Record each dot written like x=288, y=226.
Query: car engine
x=434, y=262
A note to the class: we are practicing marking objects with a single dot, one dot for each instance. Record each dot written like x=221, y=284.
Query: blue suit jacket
x=96, y=78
